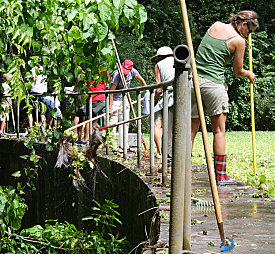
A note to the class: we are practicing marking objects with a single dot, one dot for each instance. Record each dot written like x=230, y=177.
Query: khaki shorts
x=214, y=98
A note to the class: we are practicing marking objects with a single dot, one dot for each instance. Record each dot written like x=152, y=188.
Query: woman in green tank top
x=221, y=43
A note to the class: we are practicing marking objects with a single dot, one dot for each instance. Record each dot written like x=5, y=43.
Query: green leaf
x=119, y=3
x=24, y=157
x=104, y=11
x=71, y=14
x=102, y=31
x=49, y=147
x=262, y=179
x=58, y=133
x=29, y=31
x=17, y=174
x=39, y=24
x=29, y=143
x=142, y=13
x=131, y=3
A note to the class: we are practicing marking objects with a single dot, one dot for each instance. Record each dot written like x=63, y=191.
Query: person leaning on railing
x=164, y=71
x=116, y=100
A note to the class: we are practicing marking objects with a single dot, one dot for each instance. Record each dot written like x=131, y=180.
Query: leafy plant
x=12, y=210
x=56, y=236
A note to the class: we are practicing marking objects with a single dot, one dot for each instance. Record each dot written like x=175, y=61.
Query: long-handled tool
x=13, y=122
x=252, y=105
x=123, y=122
x=226, y=244
x=94, y=118
x=125, y=86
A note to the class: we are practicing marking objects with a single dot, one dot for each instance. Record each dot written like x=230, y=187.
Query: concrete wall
x=55, y=196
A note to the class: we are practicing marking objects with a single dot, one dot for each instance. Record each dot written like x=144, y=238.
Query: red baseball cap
x=127, y=66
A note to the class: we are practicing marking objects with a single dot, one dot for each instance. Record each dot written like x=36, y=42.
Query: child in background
x=5, y=104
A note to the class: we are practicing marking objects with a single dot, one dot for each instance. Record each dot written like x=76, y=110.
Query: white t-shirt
x=39, y=85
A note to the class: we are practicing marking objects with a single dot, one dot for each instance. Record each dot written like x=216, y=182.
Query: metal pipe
x=188, y=167
x=139, y=129
x=178, y=174
x=180, y=140
x=54, y=106
x=152, y=144
x=164, y=136
x=125, y=117
x=107, y=120
x=36, y=112
x=91, y=115
x=18, y=118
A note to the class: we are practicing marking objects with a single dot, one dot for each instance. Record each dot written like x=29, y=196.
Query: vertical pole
x=178, y=165
x=107, y=119
x=152, y=122
x=188, y=165
x=139, y=128
x=36, y=111
x=164, y=136
x=124, y=126
x=90, y=115
x=18, y=118
x=252, y=105
x=54, y=106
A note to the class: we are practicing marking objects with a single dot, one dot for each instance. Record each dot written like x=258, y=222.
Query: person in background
x=39, y=86
x=98, y=107
x=164, y=71
x=98, y=103
x=221, y=43
x=5, y=104
x=115, y=100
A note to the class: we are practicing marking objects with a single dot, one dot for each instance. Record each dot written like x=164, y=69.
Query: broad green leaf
x=72, y=14
x=29, y=31
x=129, y=13
x=104, y=11
x=69, y=77
x=118, y=3
x=142, y=13
x=87, y=23
x=88, y=34
x=102, y=31
x=131, y=3
x=39, y=25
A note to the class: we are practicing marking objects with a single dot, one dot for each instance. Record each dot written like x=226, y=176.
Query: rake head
x=201, y=202
x=227, y=244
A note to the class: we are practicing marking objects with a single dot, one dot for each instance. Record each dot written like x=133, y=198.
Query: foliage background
x=164, y=27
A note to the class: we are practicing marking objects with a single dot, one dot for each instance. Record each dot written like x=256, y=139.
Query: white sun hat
x=162, y=51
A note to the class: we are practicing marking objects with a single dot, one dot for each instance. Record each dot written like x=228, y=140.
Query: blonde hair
x=7, y=77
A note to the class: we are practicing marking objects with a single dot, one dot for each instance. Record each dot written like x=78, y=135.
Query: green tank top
x=212, y=55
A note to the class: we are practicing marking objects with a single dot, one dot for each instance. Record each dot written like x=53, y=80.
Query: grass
x=240, y=154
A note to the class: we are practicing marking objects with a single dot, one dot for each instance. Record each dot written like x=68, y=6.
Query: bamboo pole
x=95, y=118
x=252, y=105
x=125, y=86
